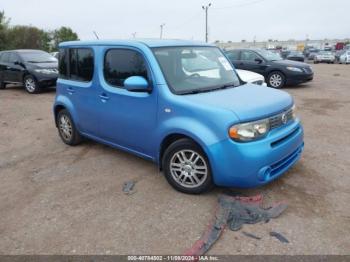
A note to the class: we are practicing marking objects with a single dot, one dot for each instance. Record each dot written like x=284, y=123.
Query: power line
x=239, y=5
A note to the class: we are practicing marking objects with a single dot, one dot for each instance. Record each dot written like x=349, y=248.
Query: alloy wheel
x=65, y=127
x=276, y=80
x=188, y=168
x=30, y=85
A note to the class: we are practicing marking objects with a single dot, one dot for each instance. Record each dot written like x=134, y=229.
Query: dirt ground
x=56, y=199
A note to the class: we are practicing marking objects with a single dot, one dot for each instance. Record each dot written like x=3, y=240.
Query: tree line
x=31, y=37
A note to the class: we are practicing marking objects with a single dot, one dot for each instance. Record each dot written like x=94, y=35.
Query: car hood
x=291, y=63
x=249, y=76
x=43, y=65
x=249, y=102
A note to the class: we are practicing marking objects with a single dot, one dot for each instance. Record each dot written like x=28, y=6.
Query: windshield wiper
x=197, y=91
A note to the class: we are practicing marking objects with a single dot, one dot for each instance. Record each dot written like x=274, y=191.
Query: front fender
x=196, y=130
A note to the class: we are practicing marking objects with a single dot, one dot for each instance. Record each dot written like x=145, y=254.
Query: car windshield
x=268, y=55
x=325, y=53
x=192, y=69
x=38, y=57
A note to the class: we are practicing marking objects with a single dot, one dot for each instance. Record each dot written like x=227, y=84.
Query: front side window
x=13, y=58
x=268, y=55
x=119, y=64
x=81, y=64
x=195, y=69
x=249, y=56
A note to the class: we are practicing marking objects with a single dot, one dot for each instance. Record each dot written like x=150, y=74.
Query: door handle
x=70, y=90
x=104, y=97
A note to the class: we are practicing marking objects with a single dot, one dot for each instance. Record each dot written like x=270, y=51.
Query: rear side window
x=81, y=64
x=62, y=64
x=233, y=55
x=119, y=64
x=5, y=57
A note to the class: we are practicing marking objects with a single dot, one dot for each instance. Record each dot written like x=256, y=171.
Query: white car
x=345, y=58
x=251, y=77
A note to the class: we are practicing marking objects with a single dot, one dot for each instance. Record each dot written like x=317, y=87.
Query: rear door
x=234, y=57
x=4, y=67
x=14, y=68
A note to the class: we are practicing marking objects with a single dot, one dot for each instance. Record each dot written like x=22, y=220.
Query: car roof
x=23, y=50
x=135, y=42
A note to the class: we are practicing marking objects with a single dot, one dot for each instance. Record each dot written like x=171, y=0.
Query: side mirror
x=258, y=60
x=136, y=84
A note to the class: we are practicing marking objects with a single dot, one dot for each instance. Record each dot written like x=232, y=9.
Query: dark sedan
x=296, y=56
x=277, y=71
x=34, y=69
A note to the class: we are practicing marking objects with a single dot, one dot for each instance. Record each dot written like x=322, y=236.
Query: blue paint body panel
x=138, y=122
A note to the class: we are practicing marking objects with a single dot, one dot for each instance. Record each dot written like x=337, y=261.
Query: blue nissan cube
x=179, y=104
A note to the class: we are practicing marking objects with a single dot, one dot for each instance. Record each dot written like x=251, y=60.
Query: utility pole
x=133, y=35
x=161, y=30
x=96, y=35
x=205, y=8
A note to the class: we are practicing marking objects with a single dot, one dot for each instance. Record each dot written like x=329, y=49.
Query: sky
x=228, y=20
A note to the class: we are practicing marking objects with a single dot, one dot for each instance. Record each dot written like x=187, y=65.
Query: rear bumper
x=256, y=163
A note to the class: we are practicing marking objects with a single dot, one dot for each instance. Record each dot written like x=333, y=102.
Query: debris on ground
x=279, y=236
x=128, y=187
x=234, y=211
x=251, y=235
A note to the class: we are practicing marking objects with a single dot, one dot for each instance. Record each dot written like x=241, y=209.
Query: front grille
x=259, y=82
x=281, y=119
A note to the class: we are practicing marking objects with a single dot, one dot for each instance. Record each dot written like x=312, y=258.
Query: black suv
x=277, y=71
x=34, y=69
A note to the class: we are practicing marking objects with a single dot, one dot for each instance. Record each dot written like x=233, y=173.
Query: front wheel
x=31, y=85
x=276, y=79
x=187, y=168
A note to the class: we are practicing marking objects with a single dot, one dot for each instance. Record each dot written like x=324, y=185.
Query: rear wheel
x=2, y=84
x=187, y=168
x=66, y=128
x=31, y=85
x=276, y=79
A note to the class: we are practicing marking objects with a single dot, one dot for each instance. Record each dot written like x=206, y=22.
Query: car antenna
x=96, y=35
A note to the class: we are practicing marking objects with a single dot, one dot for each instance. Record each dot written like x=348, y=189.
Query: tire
x=178, y=164
x=31, y=85
x=66, y=128
x=2, y=85
x=315, y=62
x=276, y=79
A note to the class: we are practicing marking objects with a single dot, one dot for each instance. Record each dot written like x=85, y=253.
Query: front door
x=128, y=118
x=251, y=61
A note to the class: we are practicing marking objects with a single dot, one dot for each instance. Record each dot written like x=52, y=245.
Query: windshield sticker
x=225, y=63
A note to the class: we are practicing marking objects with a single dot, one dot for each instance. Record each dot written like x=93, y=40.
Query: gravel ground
x=56, y=199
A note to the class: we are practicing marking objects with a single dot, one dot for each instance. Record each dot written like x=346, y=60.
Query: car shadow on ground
x=51, y=89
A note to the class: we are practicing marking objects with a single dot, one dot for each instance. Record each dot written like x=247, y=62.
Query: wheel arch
x=171, y=138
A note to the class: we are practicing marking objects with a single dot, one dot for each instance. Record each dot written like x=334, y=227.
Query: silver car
x=324, y=57
x=345, y=58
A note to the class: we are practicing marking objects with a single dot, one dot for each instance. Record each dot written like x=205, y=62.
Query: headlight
x=46, y=71
x=294, y=69
x=249, y=131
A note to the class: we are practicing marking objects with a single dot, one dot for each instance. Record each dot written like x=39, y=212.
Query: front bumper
x=256, y=163
x=46, y=79
x=294, y=79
